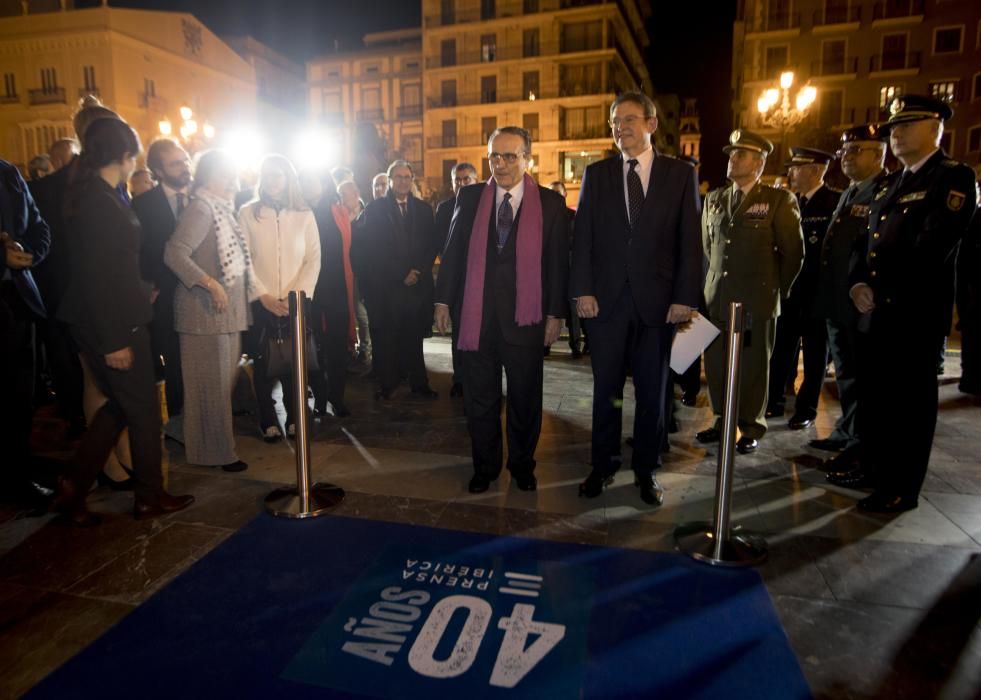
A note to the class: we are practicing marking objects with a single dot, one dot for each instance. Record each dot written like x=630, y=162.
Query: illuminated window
x=945, y=90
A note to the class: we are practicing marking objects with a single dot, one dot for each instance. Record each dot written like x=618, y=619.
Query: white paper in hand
x=690, y=342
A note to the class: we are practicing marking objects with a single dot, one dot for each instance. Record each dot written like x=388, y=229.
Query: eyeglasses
x=508, y=158
x=852, y=151
x=626, y=121
x=401, y=177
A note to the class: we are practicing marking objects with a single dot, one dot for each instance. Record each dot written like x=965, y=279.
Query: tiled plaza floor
x=883, y=607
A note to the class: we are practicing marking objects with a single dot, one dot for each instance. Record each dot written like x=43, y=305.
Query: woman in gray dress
x=210, y=256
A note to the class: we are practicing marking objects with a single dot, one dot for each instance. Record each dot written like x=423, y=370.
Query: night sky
x=690, y=53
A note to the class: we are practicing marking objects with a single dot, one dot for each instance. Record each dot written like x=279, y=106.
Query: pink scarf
x=528, y=264
x=343, y=222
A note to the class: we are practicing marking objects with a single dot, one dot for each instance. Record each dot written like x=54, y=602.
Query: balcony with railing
x=894, y=61
x=517, y=52
x=836, y=66
x=9, y=99
x=371, y=115
x=456, y=15
x=47, y=96
x=830, y=16
x=776, y=22
x=499, y=96
x=410, y=112
x=897, y=10
x=584, y=132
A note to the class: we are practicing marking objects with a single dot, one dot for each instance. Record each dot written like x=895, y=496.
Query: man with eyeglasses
x=461, y=175
x=799, y=329
x=752, y=237
x=158, y=211
x=636, y=270
x=897, y=282
x=862, y=153
x=394, y=256
x=506, y=267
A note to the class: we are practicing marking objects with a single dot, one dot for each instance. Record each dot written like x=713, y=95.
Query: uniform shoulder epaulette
x=765, y=186
x=950, y=162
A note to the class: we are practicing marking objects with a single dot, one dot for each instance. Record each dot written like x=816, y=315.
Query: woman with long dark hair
x=107, y=307
x=210, y=256
x=282, y=236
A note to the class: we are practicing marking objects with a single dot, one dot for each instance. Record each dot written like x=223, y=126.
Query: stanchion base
x=285, y=502
x=697, y=540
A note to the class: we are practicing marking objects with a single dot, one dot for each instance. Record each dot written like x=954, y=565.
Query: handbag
x=278, y=351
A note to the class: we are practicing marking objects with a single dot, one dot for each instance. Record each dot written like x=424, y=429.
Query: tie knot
x=507, y=196
x=632, y=163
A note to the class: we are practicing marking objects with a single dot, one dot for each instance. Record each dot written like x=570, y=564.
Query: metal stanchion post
x=717, y=543
x=303, y=500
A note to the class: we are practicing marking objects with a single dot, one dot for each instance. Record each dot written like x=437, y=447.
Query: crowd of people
x=176, y=274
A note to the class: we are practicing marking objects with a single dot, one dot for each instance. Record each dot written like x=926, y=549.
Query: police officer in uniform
x=969, y=307
x=752, y=240
x=799, y=328
x=916, y=220
x=862, y=152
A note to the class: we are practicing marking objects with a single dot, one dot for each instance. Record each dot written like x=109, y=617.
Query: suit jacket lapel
x=657, y=169
x=620, y=192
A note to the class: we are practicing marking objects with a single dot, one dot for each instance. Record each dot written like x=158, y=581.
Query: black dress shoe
x=882, y=503
x=689, y=399
x=774, y=411
x=456, y=391
x=708, y=435
x=526, y=482
x=799, y=422
x=746, y=445
x=163, y=504
x=851, y=479
x=651, y=492
x=478, y=484
x=829, y=444
x=236, y=466
x=594, y=484
x=425, y=392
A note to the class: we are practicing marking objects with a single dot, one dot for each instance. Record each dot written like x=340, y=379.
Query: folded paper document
x=690, y=342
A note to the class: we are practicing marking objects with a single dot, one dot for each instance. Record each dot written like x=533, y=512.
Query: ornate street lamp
x=776, y=109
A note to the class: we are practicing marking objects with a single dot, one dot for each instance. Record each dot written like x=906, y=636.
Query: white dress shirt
x=516, y=192
x=645, y=161
x=919, y=164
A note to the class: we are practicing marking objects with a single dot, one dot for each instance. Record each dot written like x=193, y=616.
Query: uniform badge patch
x=760, y=210
x=881, y=193
x=955, y=200
x=912, y=197
x=860, y=210
x=812, y=239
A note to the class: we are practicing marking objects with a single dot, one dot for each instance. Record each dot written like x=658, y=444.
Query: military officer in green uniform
x=799, y=329
x=916, y=220
x=862, y=153
x=754, y=248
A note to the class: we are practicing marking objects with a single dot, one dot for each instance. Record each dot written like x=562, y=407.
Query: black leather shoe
x=799, y=422
x=526, y=482
x=651, y=492
x=164, y=503
x=456, y=391
x=708, y=435
x=689, y=399
x=774, y=411
x=236, y=466
x=851, y=479
x=594, y=484
x=881, y=503
x=478, y=484
x=746, y=445
x=425, y=392
x=829, y=444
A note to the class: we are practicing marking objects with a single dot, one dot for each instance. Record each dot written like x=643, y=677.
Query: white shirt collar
x=644, y=159
x=746, y=189
x=919, y=164
x=517, y=193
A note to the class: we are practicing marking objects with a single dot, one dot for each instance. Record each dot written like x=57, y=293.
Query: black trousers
x=454, y=353
x=17, y=358
x=897, y=404
x=524, y=368
x=330, y=331
x=132, y=403
x=575, y=327
x=397, y=345
x=619, y=341
x=843, y=342
x=798, y=330
x=63, y=366
x=167, y=351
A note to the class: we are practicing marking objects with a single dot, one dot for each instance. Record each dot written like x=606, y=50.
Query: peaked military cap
x=809, y=156
x=747, y=140
x=914, y=108
x=866, y=132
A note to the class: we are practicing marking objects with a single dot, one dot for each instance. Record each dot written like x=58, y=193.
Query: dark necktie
x=505, y=220
x=403, y=207
x=803, y=201
x=904, y=178
x=635, y=191
x=737, y=199
x=180, y=204
x=850, y=195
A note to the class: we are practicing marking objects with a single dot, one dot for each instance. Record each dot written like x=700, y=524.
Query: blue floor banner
x=348, y=608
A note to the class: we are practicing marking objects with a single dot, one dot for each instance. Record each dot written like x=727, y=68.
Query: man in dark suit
x=462, y=175
x=394, y=254
x=158, y=211
x=573, y=321
x=916, y=220
x=799, y=328
x=636, y=269
x=24, y=241
x=506, y=267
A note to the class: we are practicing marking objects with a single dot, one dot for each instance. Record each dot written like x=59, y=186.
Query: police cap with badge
x=740, y=139
x=808, y=156
x=865, y=132
x=914, y=108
